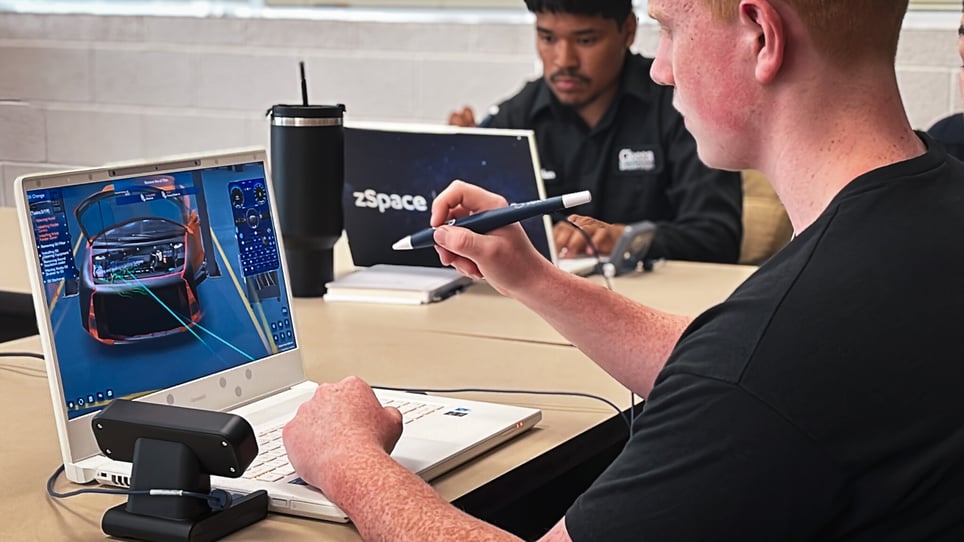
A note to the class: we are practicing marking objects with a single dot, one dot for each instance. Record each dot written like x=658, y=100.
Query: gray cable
x=614, y=406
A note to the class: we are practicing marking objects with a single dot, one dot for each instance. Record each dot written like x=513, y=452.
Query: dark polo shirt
x=949, y=132
x=639, y=162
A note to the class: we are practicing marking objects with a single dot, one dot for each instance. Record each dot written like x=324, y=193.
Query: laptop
x=393, y=172
x=162, y=281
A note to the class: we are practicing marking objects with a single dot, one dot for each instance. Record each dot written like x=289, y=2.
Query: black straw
x=304, y=83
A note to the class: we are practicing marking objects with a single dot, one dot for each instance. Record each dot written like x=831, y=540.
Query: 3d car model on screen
x=144, y=262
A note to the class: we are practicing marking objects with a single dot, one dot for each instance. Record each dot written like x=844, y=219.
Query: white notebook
x=397, y=284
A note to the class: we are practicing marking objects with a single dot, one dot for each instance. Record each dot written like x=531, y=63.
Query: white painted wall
x=87, y=89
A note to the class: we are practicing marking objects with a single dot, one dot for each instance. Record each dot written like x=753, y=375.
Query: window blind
x=943, y=5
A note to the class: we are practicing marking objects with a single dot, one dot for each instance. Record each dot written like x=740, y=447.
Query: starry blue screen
x=385, y=171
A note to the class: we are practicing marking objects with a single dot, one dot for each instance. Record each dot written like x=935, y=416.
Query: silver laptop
x=393, y=171
x=162, y=281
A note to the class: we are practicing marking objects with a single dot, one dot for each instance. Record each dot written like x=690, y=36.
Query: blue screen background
x=238, y=320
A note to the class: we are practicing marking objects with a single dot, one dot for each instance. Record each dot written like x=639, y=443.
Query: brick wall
x=83, y=89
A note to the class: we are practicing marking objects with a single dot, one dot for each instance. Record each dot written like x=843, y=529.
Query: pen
x=487, y=221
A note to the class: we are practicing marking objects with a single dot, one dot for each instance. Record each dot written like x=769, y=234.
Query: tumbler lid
x=307, y=115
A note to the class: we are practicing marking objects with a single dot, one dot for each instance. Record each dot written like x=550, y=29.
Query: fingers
x=462, y=117
x=575, y=244
x=561, y=233
x=612, y=234
x=602, y=239
x=455, y=119
x=330, y=429
x=393, y=418
x=602, y=234
x=389, y=425
x=460, y=249
x=462, y=199
x=444, y=256
x=569, y=239
x=578, y=245
x=462, y=265
x=393, y=413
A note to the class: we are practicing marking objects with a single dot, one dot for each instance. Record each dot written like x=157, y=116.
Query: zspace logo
x=382, y=202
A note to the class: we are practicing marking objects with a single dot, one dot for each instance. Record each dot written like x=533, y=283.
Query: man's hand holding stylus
x=504, y=257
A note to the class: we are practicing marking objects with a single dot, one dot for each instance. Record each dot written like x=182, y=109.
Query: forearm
x=387, y=502
x=628, y=340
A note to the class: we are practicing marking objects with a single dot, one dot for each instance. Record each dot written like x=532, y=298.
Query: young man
x=950, y=130
x=601, y=124
x=821, y=401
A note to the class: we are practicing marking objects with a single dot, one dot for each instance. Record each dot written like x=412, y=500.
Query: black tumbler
x=308, y=167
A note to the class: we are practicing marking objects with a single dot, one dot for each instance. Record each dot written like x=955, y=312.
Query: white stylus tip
x=576, y=198
x=404, y=243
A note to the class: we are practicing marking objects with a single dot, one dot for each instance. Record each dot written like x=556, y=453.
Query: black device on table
x=629, y=252
x=174, y=451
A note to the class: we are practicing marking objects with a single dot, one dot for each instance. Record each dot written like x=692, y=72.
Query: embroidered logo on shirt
x=547, y=174
x=630, y=160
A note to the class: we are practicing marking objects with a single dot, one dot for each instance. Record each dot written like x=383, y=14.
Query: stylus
x=487, y=221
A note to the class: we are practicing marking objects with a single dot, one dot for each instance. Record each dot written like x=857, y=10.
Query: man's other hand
x=341, y=420
x=569, y=242
x=462, y=117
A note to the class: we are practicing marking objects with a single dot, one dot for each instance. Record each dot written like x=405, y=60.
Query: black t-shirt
x=639, y=162
x=824, y=400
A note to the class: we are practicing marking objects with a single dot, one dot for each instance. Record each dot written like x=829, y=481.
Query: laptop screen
x=154, y=280
x=394, y=172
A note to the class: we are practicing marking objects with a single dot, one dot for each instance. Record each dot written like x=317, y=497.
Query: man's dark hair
x=617, y=10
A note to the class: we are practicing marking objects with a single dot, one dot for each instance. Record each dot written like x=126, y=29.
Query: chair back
x=766, y=227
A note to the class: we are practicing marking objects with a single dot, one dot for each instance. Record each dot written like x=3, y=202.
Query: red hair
x=845, y=31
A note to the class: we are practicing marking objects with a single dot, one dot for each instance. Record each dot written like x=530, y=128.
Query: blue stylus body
x=487, y=221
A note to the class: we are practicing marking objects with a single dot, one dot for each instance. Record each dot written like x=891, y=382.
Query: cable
x=217, y=499
x=608, y=270
x=24, y=367
x=21, y=355
x=614, y=406
x=584, y=233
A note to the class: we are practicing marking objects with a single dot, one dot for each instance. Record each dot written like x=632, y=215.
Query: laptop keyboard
x=412, y=410
x=272, y=464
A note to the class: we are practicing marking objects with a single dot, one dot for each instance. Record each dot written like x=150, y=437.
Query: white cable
x=608, y=272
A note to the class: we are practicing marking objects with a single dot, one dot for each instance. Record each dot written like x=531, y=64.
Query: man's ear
x=765, y=22
x=630, y=26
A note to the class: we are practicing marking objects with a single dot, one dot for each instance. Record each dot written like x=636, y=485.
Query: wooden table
x=477, y=339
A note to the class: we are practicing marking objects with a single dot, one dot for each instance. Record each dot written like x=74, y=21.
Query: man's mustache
x=570, y=74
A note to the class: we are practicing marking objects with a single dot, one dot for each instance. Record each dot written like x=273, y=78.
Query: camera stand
x=159, y=464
